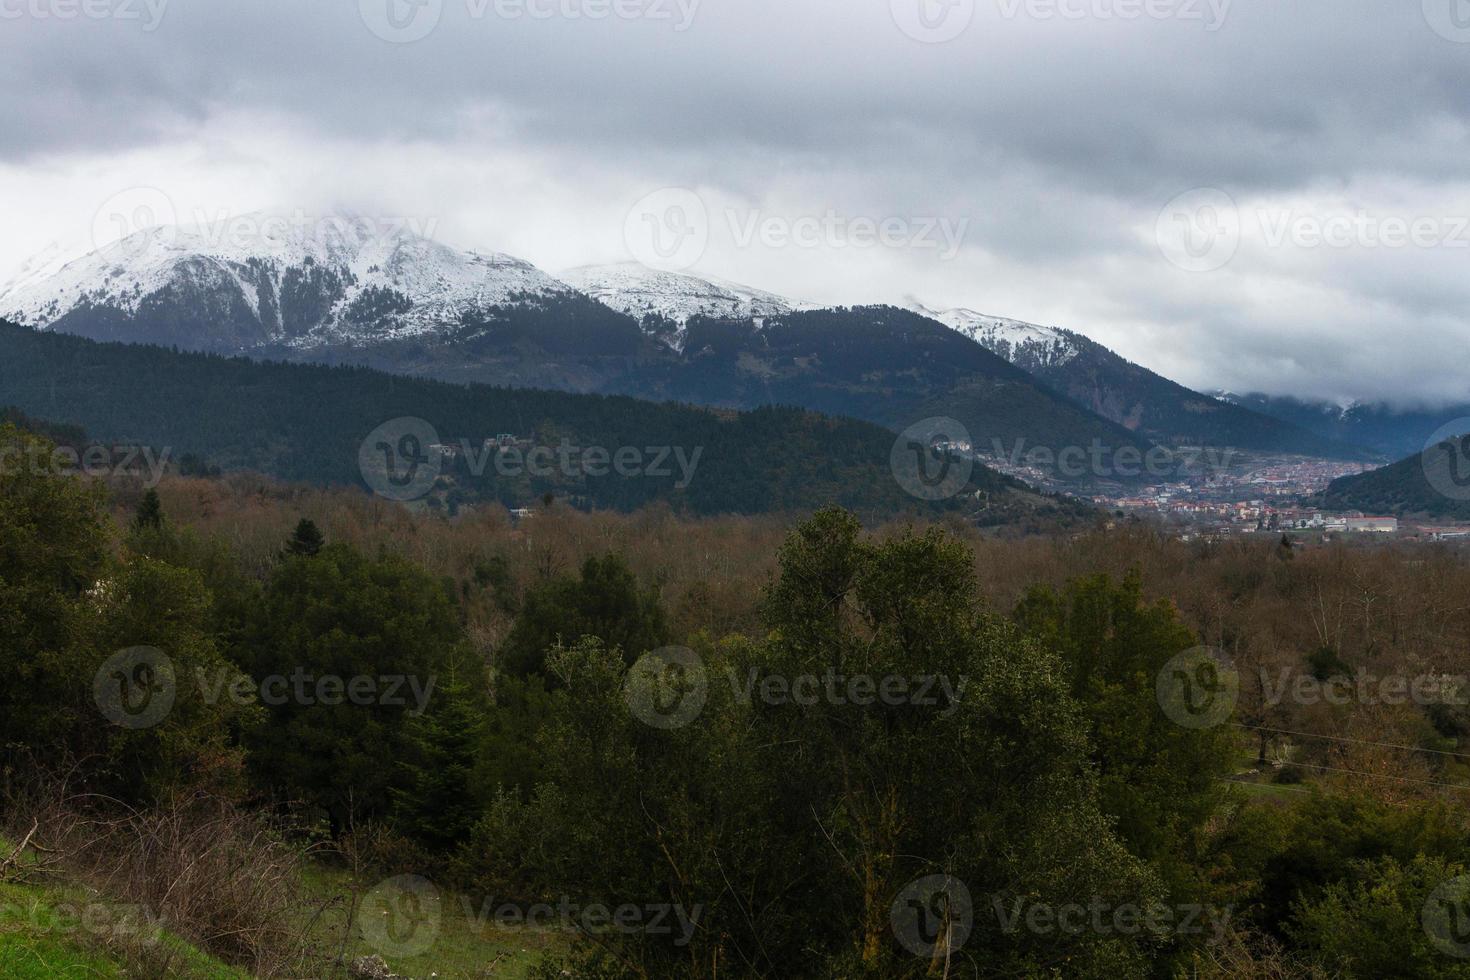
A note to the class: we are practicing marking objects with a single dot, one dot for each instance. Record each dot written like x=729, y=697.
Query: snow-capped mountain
x=1127, y=393
x=1025, y=345
x=640, y=292
x=264, y=279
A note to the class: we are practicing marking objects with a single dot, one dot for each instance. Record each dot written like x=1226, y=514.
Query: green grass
x=68, y=932
x=459, y=946
x=1260, y=786
x=63, y=930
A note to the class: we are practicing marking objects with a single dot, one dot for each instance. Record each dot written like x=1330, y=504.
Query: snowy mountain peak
x=1023, y=344
x=276, y=278
x=639, y=291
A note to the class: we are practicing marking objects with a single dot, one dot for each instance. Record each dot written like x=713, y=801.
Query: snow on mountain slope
x=638, y=291
x=301, y=281
x=1024, y=344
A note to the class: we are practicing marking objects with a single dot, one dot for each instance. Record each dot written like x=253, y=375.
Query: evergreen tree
x=438, y=803
x=799, y=827
x=149, y=515
x=307, y=540
x=606, y=601
x=350, y=649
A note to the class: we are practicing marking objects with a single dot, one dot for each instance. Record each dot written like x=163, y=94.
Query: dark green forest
x=886, y=769
x=309, y=423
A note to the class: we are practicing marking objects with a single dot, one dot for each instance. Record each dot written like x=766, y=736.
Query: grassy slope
x=42, y=935
x=463, y=947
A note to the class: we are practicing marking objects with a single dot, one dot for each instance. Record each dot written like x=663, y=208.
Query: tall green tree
x=306, y=540
x=796, y=827
x=1160, y=781
x=149, y=515
x=440, y=799
x=53, y=550
x=327, y=627
x=69, y=613
x=605, y=601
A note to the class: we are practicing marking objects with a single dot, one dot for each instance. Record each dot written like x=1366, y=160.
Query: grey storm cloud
x=1058, y=129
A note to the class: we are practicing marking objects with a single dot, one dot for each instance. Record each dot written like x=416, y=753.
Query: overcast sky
x=1259, y=195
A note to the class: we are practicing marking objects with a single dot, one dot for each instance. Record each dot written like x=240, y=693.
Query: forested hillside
x=275, y=731
x=1434, y=483
x=308, y=422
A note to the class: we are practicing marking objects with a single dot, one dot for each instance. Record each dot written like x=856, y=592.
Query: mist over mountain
x=1131, y=395
x=1394, y=431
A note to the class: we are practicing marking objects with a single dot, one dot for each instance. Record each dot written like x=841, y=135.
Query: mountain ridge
x=352, y=292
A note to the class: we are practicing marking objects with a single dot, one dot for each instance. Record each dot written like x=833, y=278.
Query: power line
x=1380, y=775
x=1356, y=741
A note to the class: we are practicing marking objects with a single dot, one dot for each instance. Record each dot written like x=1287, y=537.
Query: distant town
x=1254, y=494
